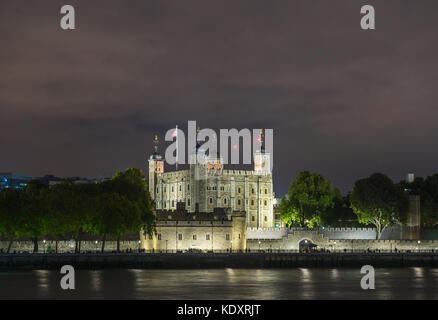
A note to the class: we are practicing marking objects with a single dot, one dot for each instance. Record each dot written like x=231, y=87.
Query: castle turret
x=156, y=168
x=262, y=160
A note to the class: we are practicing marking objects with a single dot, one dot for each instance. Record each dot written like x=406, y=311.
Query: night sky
x=343, y=102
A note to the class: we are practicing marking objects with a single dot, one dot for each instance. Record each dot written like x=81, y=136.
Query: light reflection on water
x=227, y=284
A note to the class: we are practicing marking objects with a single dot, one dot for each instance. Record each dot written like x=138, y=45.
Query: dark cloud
x=342, y=101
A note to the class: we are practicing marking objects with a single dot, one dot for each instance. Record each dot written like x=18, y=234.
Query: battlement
x=238, y=172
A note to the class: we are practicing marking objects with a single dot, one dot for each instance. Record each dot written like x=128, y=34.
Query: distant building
x=11, y=180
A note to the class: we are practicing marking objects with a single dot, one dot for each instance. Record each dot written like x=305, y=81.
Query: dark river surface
x=224, y=284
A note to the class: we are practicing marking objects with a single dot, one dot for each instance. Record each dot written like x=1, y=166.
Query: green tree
x=308, y=198
x=377, y=200
x=429, y=201
x=115, y=216
x=341, y=214
x=131, y=184
x=33, y=218
x=11, y=204
x=66, y=206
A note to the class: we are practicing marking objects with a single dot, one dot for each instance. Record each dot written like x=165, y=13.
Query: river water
x=234, y=284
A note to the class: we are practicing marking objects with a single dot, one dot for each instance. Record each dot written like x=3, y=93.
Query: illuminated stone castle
x=206, y=185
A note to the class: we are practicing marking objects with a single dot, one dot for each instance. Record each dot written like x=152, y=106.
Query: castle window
x=227, y=237
x=222, y=188
x=207, y=237
x=194, y=237
x=252, y=218
x=239, y=235
x=225, y=201
x=252, y=202
x=188, y=202
x=188, y=187
x=238, y=190
x=180, y=236
x=159, y=236
x=173, y=203
x=211, y=200
x=266, y=218
x=172, y=189
x=180, y=188
x=157, y=189
x=266, y=191
x=238, y=202
x=266, y=203
x=252, y=190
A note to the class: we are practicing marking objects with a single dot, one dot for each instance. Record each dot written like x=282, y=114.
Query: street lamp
x=139, y=243
x=44, y=242
x=231, y=246
x=259, y=244
x=96, y=245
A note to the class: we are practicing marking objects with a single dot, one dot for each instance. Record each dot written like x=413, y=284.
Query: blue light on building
x=11, y=180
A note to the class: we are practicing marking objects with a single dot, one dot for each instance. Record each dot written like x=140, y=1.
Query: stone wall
x=391, y=233
x=292, y=242
x=68, y=246
x=199, y=235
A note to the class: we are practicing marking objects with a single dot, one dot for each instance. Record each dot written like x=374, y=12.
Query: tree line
x=108, y=209
x=376, y=200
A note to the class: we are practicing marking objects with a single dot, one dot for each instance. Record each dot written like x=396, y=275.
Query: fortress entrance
x=306, y=245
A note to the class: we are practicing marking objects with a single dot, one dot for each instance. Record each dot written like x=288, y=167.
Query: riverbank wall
x=215, y=260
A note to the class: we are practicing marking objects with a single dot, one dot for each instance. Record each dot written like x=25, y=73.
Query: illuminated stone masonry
x=206, y=185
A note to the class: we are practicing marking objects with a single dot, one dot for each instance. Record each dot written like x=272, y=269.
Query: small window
x=173, y=203
x=211, y=200
x=172, y=188
x=238, y=202
x=180, y=236
x=238, y=190
x=207, y=237
x=266, y=203
x=180, y=188
x=266, y=218
x=157, y=189
x=239, y=235
x=252, y=202
x=225, y=201
x=188, y=202
x=159, y=236
x=252, y=218
x=188, y=187
x=252, y=190
x=266, y=191
x=227, y=236
x=194, y=237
